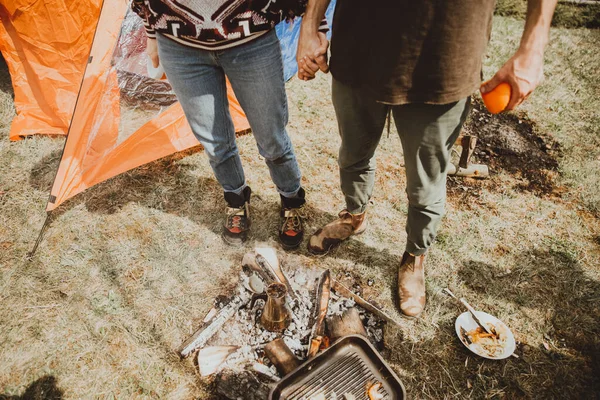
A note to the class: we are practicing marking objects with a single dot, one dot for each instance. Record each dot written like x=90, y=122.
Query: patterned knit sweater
x=216, y=24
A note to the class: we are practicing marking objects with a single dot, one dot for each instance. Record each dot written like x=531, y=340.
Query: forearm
x=315, y=11
x=537, y=25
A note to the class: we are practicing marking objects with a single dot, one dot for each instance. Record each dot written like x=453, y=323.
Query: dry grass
x=129, y=268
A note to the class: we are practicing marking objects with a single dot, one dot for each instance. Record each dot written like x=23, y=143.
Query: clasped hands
x=312, y=55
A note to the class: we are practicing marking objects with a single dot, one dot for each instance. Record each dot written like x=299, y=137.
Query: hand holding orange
x=498, y=98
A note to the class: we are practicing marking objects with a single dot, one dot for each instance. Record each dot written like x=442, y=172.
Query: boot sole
x=289, y=247
x=412, y=317
x=325, y=252
x=234, y=242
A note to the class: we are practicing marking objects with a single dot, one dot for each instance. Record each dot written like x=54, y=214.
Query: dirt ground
x=128, y=269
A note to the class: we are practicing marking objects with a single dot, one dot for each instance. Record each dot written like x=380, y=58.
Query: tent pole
x=40, y=236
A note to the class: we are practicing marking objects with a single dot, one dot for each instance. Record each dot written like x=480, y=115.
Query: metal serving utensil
x=471, y=310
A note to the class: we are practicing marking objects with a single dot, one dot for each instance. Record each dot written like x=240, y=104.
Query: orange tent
x=45, y=44
x=117, y=117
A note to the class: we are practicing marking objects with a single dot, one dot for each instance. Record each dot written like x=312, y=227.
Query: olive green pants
x=427, y=133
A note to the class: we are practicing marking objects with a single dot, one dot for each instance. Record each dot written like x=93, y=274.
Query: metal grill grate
x=350, y=366
x=347, y=375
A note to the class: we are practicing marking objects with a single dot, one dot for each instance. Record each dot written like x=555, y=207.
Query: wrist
x=310, y=24
x=530, y=51
x=308, y=31
x=534, y=41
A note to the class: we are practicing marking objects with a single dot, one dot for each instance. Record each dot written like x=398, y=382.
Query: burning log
x=211, y=358
x=349, y=323
x=321, y=305
x=281, y=356
x=265, y=264
x=203, y=335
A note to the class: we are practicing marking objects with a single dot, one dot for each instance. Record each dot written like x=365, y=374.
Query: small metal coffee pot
x=275, y=317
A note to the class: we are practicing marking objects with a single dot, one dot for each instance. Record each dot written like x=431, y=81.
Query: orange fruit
x=497, y=99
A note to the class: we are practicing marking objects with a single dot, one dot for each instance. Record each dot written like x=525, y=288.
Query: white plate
x=466, y=321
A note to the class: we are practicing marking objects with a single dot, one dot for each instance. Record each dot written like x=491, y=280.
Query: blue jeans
x=255, y=70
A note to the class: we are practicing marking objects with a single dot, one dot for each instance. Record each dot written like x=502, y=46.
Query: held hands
x=312, y=55
x=152, y=51
x=523, y=72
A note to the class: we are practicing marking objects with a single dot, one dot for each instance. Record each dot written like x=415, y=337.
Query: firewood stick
x=349, y=323
x=281, y=356
x=344, y=291
x=203, y=335
x=322, y=295
x=211, y=358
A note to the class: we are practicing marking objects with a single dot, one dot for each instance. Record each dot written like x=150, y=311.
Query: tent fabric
x=117, y=117
x=109, y=134
x=45, y=45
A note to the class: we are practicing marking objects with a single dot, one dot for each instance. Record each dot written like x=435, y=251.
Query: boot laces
x=235, y=216
x=293, y=218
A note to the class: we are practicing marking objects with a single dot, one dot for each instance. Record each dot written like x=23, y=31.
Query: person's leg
x=199, y=83
x=255, y=70
x=361, y=121
x=427, y=133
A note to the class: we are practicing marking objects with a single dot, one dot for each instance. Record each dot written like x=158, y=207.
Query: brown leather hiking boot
x=411, y=284
x=335, y=232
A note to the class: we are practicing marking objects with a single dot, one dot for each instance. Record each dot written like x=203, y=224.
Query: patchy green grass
x=565, y=107
x=567, y=14
x=129, y=268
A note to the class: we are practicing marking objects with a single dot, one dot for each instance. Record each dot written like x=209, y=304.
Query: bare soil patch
x=509, y=144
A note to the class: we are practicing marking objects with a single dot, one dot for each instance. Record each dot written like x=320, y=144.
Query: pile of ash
x=245, y=331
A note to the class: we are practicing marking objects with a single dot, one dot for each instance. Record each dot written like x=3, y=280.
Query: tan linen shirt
x=419, y=51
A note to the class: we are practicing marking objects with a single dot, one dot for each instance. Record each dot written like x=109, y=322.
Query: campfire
x=298, y=334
